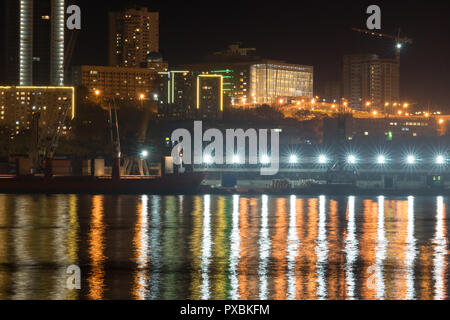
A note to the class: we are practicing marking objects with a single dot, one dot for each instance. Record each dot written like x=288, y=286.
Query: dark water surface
x=224, y=247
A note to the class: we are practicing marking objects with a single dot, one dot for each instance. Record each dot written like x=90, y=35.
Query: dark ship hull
x=185, y=183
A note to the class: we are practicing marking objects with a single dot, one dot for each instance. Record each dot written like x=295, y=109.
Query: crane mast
x=398, y=39
x=46, y=143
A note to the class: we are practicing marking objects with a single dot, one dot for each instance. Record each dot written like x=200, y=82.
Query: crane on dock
x=399, y=40
x=44, y=143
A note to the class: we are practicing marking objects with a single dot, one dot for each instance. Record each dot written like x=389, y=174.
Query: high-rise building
x=119, y=82
x=18, y=104
x=352, y=78
x=26, y=43
x=190, y=94
x=41, y=42
x=370, y=81
x=57, y=43
x=33, y=38
x=380, y=83
x=133, y=35
x=209, y=96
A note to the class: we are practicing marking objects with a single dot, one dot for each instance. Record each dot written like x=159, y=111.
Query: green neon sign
x=222, y=71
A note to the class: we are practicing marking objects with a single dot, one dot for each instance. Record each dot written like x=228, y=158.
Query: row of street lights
x=323, y=159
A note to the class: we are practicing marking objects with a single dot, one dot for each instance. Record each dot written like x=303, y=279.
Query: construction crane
x=70, y=49
x=50, y=149
x=46, y=142
x=399, y=40
x=115, y=139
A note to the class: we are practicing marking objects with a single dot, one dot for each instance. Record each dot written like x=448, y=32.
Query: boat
x=185, y=183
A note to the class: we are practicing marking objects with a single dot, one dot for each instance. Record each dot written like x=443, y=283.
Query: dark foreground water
x=224, y=247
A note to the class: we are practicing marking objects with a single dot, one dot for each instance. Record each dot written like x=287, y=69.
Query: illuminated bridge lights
x=351, y=159
x=322, y=159
x=144, y=154
x=293, y=159
x=440, y=159
x=381, y=159
x=411, y=159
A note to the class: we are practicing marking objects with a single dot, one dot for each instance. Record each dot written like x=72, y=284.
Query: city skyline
x=224, y=151
x=324, y=36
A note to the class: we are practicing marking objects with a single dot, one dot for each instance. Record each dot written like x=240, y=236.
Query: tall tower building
x=57, y=43
x=367, y=78
x=380, y=83
x=133, y=35
x=33, y=42
x=352, y=78
x=26, y=43
x=41, y=42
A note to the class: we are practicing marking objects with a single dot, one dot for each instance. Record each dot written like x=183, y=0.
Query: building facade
x=380, y=83
x=369, y=81
x=41, y=42
x=190, y=95
x=209, y=95
x=273, y=81
x=133, y=35
x=33, y=37
x=119, y=82
x=18, y=104
x=58, y=25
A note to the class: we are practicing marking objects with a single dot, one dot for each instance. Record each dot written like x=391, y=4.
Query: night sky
x=315, y=33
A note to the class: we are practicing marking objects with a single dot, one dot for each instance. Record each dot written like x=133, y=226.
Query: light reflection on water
x=224, y=247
